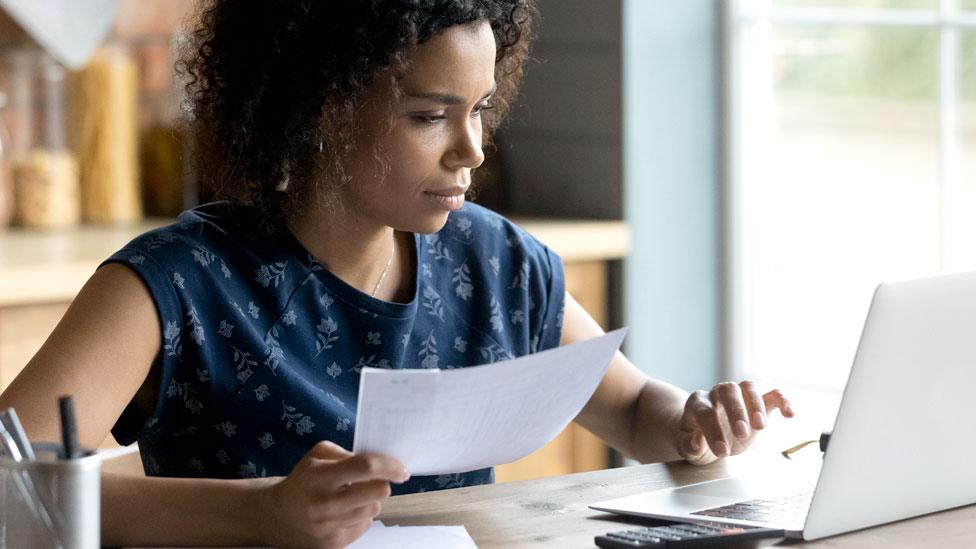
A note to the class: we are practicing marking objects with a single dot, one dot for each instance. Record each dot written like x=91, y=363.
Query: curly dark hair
x=269, y=82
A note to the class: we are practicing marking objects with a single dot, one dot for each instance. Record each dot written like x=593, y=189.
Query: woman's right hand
x=329, y=499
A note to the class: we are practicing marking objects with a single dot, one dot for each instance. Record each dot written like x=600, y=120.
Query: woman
x=229, y=344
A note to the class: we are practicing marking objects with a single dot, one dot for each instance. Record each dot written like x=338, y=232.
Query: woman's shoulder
x=216, y=245
x=201, y=234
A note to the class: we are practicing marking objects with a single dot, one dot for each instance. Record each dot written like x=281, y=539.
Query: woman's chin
x=426, y=223
x=433, y=224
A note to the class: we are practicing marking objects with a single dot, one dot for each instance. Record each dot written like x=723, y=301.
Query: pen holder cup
x=50, y=502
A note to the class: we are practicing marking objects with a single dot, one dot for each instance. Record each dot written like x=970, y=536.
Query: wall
x=671, y=170
x=619, y=118
x=147, y=27
x=561, y=148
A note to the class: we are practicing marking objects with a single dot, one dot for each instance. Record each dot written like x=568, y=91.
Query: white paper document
x=380, y=536
x=452, y=421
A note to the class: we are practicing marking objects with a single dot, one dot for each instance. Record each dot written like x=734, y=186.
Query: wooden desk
x=552, y=512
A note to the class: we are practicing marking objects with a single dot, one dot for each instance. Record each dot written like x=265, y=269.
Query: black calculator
x=701, y=534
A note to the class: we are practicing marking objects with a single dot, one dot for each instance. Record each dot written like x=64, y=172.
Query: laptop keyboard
x=785, y=510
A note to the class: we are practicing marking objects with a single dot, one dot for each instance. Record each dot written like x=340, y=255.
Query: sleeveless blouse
x=262, y=347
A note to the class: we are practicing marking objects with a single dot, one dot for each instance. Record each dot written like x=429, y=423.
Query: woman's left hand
x=723, y=421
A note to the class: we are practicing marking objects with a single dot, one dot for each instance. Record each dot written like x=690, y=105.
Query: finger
x=366, y=467
x=775, y=400
x=729, y=398
x=326, y=449
x=706, y=417
x=691, y=442
x=363, y=493
x=755, y=407
x=692, y=445
x=337, y=515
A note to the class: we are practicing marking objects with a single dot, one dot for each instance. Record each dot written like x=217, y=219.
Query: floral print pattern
x=277, y=343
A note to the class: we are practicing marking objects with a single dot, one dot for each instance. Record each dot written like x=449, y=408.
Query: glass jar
x=104, y=112
x=6, y=185
x=44, y=173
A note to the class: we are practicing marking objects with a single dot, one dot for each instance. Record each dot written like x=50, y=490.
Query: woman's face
x=436, y=136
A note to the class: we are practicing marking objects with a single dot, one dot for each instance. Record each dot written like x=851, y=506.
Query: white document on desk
x=380, y=536
x=452, y=421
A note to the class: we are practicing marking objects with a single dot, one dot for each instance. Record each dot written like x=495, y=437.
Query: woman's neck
x=360, y=252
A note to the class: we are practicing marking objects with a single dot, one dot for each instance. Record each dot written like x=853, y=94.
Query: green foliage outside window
x=858, y=61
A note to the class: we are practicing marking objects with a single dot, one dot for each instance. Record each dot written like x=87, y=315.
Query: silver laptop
x=903, y=441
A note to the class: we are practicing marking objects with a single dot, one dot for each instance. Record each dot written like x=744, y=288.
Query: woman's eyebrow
x=446, y=98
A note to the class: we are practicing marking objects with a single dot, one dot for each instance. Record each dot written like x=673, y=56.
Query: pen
x=28, y=490
x=9, y=446
x=69, y=432
x=12, y=423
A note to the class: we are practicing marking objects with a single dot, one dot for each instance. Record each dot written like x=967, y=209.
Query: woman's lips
x=449, y=199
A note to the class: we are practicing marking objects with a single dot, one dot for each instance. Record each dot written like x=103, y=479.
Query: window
x=851, y=160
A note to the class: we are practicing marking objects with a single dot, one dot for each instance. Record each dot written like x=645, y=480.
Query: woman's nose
x=466, y=148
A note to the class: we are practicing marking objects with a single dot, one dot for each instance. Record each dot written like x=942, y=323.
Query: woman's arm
x=328, y=500
x=101, y=352
x=652, y=421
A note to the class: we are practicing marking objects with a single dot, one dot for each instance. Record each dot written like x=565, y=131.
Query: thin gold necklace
x=385, y=269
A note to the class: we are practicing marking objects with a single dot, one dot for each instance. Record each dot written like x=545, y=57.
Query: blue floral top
x=263, y=347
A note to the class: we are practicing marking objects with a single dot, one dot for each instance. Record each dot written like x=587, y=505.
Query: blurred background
x=730, y=179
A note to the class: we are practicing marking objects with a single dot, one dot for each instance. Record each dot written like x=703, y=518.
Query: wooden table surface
x=552, y=512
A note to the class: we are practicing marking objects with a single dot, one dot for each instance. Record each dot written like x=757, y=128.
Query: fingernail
x=759, y=419
x=695, y=445
x=720, y=449
x=404, y=476
x=741, y=428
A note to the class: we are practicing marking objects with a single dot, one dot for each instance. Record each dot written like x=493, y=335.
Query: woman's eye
x=482, y=108
x=428, y=119
x=431, y=119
